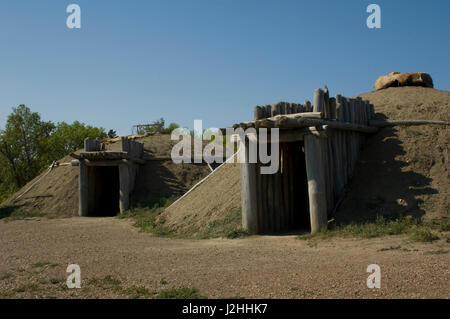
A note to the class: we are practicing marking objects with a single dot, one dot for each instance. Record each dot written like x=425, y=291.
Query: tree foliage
x=28, y=145
x=158, y=126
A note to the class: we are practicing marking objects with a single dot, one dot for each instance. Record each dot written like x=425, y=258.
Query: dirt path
x=35, y=254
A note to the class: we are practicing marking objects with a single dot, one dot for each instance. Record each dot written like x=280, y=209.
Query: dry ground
x=119, y=262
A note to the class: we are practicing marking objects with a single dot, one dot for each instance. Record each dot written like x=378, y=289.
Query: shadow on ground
x=7, y=211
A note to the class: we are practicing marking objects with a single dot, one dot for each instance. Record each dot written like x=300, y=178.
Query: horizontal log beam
x=287, y=120
x=270, y=122
x=297, y=135
x=304, y=122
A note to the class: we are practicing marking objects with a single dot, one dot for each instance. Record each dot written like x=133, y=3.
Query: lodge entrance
x=104, y=191
x=282, y=198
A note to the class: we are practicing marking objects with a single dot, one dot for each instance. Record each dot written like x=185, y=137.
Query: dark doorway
x=295, y=167
x=282, y=198
x=104, y=191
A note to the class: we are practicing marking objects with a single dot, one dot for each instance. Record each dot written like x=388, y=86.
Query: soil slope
x=403, y=170
x=56, y=194
x=214, y=199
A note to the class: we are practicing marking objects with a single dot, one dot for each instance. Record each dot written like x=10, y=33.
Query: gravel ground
x=119, y=262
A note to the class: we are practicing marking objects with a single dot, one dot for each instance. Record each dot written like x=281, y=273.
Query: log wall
x=316, y=163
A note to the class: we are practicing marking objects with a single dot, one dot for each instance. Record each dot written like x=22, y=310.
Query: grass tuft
x=423, y=234
x=382, y=226
x=179, y=293
x=146, y=216
x=9, y=213
x=445, y=226
x=41, y=264
x=228, y=227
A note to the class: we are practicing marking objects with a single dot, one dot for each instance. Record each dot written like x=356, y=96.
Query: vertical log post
x=248, y=180
x=326, y=106
x=83, y=190
x=319, y=101
x=316, y=183
x=124, y=177
x=259, y=113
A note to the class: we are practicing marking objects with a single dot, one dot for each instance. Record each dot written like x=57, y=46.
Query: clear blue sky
x=136, y=61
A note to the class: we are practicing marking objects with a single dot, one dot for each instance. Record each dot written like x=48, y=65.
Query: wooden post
x=326, y=100
x=83, y=190
x=124, y=176
x=333, y=108
x=259, y=113
x=91, y=145
x=248, y=180
x=263, y=202
x=319, y=101
x=308, y=106
x=342, y=148
x=316, y=183
x=348, y=139
x=271, y=207
x=286, y=189
x=278, y=211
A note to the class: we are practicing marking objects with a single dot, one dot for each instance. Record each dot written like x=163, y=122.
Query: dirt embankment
x=56, y=194
x=213, y=200
x=403, y=170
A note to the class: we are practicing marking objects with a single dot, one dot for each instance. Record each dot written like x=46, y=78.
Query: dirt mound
x=403, y=170
x=56, y=193
x=212, y=201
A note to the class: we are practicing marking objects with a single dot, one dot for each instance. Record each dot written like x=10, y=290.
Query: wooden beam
x=304, y=122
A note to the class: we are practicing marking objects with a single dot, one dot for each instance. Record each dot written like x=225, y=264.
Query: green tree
x=22, y=144
x=112, y=133
x=68, y=138
x=158, y=126
x=28, y=145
